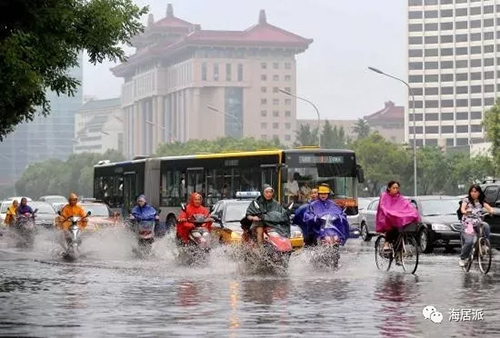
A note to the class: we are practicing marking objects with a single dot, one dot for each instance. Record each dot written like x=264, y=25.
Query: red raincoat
x=183, y=228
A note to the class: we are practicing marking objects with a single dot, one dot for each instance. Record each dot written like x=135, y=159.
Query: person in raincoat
x=72, y=209
x=265, y=206
x=142, y=211
x=11, y=215
x=194, y=207
x=23, y=207
x=323, y=205
x=298, y=218
x=394, y=212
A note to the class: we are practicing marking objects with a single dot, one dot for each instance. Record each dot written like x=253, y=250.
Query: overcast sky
x=348, y=37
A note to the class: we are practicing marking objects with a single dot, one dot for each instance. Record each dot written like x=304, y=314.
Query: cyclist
x=394, y=212
x=471, y=206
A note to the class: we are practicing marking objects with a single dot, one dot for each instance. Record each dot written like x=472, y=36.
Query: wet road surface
x=110, y=293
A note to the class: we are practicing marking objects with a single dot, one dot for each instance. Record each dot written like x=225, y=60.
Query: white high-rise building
x=453, y=69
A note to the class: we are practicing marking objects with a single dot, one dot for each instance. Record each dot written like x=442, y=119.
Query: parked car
x=52, y=199
x=101, y=216
x=491, y=189
x=439, y=227
x=18, y=198
x=46, y=214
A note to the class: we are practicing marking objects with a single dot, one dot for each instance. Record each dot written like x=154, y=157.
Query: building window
x=489, y=62
x=276, y=113
x=446, y=64
x=263, y=77
x=415, y=78
x=447, y=129
x=240, y=72
x=263, y=125
x=461, y=25
x=415, y=40
x=447, y=117
x=476, y=115
x=415, y=27
x=462, y=102
x=228, y=72
x=462, y=64
x=446, y=77
x=446, y=38
x=489, y=49
x=446, y=51
x=288, y=65
x=430, y=14
x=462, y=129
x=431, y=117
x=288, y=78
x=288, y=138
x=431, y=65
x=475, y=89
x=263, y=113
x=430, y=27
x=432, y=130
x=461, y=38
x=475, y=50
x=488, y=22
x=263, y=101
x=415, y=2
x=204, y=71
x=462, y=90
x=415, y=65
x=288, y=113
x=476, y=76
x=489, y=101
x=288, y=126
x=462, y=116
x=263, y=65
x=276, y=77
x=446, y=103
x=276, y=102
x=415, y=53
x=263, y=89
x=276, y=65
x=432, y=78
x=417, y=91
x=288, y=102
x=216, y=72
x=288, y=89
x=446, y=13
x=461, y=51
x=475, y=37
x=415, y=15
x=275, y=125
x=432, y=91
x=462, y=77
x=488, y=36
x=475, y=102
x=476, y=129
x=461, y=12
x=276, y=90
x=475, y=24
x=475, y=63
x=489, y=88
x=431, y=39
x=487, y=75
x=446, y=26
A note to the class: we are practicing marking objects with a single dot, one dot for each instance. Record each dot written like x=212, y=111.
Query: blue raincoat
x=311, y=220
x=146, y=213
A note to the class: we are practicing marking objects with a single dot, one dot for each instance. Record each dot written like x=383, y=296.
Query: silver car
x=367, y=219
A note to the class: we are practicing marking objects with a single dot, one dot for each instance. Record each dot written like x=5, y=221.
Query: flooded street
x=110, y=293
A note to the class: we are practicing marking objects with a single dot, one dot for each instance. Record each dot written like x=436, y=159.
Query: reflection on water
x=111, y=293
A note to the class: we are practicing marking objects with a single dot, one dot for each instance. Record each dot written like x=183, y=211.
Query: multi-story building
x=187, y=83
x=388, y=122
x=99, y=126
x=453, y=69
x=44, y=137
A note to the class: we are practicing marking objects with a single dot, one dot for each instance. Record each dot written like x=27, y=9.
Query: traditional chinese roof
x=390, y=113
x=100, y=104
x=262, y=34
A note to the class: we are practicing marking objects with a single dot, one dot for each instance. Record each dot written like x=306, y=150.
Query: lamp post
x=410, y=91
x=312, y=104
x=236, y=118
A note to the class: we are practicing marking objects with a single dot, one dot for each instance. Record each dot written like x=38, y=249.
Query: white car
x=18, y=198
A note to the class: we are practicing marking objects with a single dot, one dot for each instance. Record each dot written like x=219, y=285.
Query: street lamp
x=414, y=128
x=236, y=118
x=312, y=104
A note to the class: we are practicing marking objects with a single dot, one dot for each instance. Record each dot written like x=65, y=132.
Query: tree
x=433, y=171
x=362, y=128
x=491, y=124
x=465, y=171
x=333, y=138
x=215, y=146
x=305, y=136
x=55, y=177
x=41, y=40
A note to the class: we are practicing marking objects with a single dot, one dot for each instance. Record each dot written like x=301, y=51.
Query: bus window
x=195, y=181
x=171, y=194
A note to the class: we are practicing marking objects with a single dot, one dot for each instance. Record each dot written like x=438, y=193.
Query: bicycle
x=404, y=250
x=477, y=250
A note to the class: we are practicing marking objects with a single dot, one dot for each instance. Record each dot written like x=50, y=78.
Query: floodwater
x=109, y=293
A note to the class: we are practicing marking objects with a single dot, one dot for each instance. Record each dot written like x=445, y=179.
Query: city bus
x=169, y=181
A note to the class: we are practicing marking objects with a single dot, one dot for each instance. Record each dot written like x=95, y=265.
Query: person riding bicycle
x=471, y=207
x=394, y=212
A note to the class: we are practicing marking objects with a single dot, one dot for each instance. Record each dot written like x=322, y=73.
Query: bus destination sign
x=312, y=159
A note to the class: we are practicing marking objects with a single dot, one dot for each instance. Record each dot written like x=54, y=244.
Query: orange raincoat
x=10, y=216
x=68, y=211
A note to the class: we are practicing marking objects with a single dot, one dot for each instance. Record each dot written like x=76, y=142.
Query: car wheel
x=364, y=233
x=424, y=241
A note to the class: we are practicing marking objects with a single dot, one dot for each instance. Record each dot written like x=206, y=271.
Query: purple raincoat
x=319, y=208
x=395, y=212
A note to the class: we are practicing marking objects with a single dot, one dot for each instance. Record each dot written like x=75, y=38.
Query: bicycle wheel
x=382, y=260
x=484, y=258
x=409, y=254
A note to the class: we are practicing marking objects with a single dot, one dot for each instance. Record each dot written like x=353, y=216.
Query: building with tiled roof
x=180, y=70
x=389, y=122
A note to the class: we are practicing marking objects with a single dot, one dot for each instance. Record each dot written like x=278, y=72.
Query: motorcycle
x=25, y=228
x=72, y=237
x=277, y=247
x=326, y=233
x=144, y=228
x=197, y=250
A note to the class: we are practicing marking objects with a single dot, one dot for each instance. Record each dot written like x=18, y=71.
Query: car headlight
x=440, y=227
x=296, y=234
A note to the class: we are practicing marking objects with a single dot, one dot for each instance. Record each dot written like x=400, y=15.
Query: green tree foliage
x=55, y=177
x=305, y=136
x=492, y=126
x=41, y=40
x=223, y=144
x=333, y=138
x=362, y=128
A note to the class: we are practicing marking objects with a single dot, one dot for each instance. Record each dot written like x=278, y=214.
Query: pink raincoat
x=395, y=212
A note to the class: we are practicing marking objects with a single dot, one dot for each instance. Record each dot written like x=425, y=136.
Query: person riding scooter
x=24, y=208
x=71, y=209
x=142, y=211
x=194, y=207
x=267, y=204
x=11, y=214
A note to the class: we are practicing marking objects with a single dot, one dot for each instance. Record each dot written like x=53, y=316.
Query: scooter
x=277, y=247
x=72, y=237
x=145, y=232
x=197, y=250
x=25, y=228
